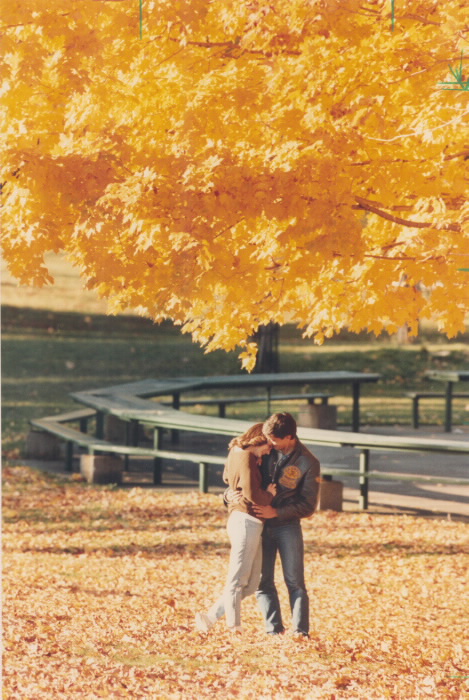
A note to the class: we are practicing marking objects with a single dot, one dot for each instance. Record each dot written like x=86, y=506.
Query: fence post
x=100, y=425
x=157, y=461
x=176, y=405
x=448, y=407
x=69, y=456
x=415, y=412
x=364, y=462
x=203, y=477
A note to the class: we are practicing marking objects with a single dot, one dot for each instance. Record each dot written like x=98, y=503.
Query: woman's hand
x=272, y=488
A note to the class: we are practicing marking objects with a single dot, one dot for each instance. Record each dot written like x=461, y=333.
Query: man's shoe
x=203, y=623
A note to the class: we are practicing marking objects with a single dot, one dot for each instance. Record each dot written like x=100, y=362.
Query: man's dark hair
x=280, y=425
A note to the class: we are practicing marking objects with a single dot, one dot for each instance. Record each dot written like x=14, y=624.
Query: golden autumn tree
x=229, y=163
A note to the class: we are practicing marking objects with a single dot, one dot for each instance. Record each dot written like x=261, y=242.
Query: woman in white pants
x=242, y=474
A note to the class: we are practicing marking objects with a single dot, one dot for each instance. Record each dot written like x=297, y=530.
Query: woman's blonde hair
x=253, y=437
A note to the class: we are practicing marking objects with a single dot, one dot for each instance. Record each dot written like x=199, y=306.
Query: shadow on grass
x=201, y=549
x=158, y=551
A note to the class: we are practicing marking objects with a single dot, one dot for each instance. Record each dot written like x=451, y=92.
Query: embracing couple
x=272, y=483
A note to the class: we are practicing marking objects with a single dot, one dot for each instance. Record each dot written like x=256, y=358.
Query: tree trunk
x=267, y=357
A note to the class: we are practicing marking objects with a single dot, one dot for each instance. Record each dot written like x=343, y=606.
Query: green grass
x=58, y=339
x=48, y=354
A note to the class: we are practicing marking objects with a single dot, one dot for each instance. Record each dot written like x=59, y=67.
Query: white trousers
x=244, y=569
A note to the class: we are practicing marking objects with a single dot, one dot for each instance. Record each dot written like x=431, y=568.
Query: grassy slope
x=49, y=349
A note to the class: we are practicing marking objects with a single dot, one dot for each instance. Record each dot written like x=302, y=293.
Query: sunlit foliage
x=243, y=161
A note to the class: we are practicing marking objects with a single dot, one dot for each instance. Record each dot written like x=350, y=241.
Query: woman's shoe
x=202, y=622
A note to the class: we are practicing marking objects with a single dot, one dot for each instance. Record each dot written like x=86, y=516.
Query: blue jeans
x=287, y=540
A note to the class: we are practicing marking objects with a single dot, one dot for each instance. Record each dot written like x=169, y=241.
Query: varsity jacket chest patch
x=290, y=477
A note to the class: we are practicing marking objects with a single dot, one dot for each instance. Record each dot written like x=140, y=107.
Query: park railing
x=134, y=410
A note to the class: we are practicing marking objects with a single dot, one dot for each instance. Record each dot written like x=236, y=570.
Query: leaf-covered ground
x=101, y=586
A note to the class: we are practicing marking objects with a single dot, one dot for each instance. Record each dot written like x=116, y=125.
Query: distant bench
x=416, y=396
x=132, y=408
x=56, y=425
x=225, y=401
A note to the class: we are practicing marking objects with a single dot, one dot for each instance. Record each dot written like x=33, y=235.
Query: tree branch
x=419, y=18
x=364, y=204
x=220, y=233
x=395, y=258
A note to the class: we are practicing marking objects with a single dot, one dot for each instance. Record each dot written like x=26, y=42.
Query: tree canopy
x=229, y=163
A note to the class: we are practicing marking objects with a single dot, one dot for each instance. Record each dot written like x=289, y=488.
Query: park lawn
x=101, y=584
x=46, y=354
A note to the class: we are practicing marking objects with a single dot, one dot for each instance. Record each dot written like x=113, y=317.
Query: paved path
x=451, y=500
x=386, y=496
